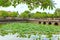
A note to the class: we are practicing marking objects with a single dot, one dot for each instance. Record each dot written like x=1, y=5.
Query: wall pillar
x=41, y=22
x=52, y=23
x=59, y=23
x=46, y=23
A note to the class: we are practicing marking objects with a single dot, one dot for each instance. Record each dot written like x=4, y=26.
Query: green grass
x=28, y=28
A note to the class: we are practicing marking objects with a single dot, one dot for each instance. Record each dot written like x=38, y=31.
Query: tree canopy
x=57, y=12
x=25, y=14
x=28, y=14
x=31, y=3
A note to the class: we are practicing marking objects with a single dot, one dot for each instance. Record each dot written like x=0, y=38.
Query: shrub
x=37, y=15
x=25, y=14
x=49, y=15
x=44, y=15
x=3, y=14
x=57, y=13
x=12, y=14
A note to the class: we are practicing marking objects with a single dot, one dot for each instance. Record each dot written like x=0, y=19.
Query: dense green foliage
x=57, y=12
x=31, y=3
x=5, y=3
x=36, y=15
x=28, y=14
x=39, y=15
x=12, y=14
x=5, y=14
x=28, y=28
x=50, y=15
x=25, y=14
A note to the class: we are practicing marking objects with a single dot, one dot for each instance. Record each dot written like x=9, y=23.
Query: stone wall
x=49, y=21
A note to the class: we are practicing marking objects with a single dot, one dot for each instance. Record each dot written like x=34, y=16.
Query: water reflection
x=32, y=37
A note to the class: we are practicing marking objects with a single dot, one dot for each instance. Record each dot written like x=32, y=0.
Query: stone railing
x=54, y=21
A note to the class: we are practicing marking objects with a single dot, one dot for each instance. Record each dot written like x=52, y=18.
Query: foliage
x=28, y=14
x=44, y=15
x=12, y=14
x=5, y=3
x=57, y=13
x=49, y=15
x=3, y=14
x=8, y=14
x=31, y=15
x=39, y=15
x=28, y=28
x=36, y=15
x=25, y=14
x=31, y=3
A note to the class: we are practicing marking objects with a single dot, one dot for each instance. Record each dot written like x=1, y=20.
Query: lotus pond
x=28, y=28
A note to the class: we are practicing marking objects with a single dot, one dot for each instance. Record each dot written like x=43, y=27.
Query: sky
x=22, y=7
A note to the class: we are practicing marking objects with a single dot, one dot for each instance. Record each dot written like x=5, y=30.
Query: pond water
x=32, y=37
x=12, y=37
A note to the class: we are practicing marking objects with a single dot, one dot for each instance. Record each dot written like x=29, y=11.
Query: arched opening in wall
x=49, y=23
x=55, y=23
x=39, y=22
x=44, y=22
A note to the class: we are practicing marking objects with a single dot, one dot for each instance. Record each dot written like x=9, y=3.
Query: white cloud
x=21, y=8
x=57, y=3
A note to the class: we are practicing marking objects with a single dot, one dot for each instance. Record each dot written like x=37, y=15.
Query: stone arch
x=39, y=22
x=55, y=23
x=44, y=22
x=49, y=23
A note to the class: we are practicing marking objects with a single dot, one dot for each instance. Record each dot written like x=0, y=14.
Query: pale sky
x=22, y=7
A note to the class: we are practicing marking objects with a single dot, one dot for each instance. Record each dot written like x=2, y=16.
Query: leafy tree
x=5, y=3
x=54, y=15
x=49, y=15
x=44, y=15
x=31, y=3
x=57, y=12
x=25, y=14
x=3, y=13
x=12, y=14
x=8, y=14
x=31, y=15
x=37, y=15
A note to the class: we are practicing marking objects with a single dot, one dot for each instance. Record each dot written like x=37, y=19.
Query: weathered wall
x=49, y=21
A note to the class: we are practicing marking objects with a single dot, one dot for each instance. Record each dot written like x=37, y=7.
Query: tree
x=39, y=15
x=5, y=3
x=44, y=15
x=3, y=14
x=25, y=14
x=49, y=15
x=31, y=3
x=31, y=15
x=13, y=14
x=36, y=15
x=57, y=12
